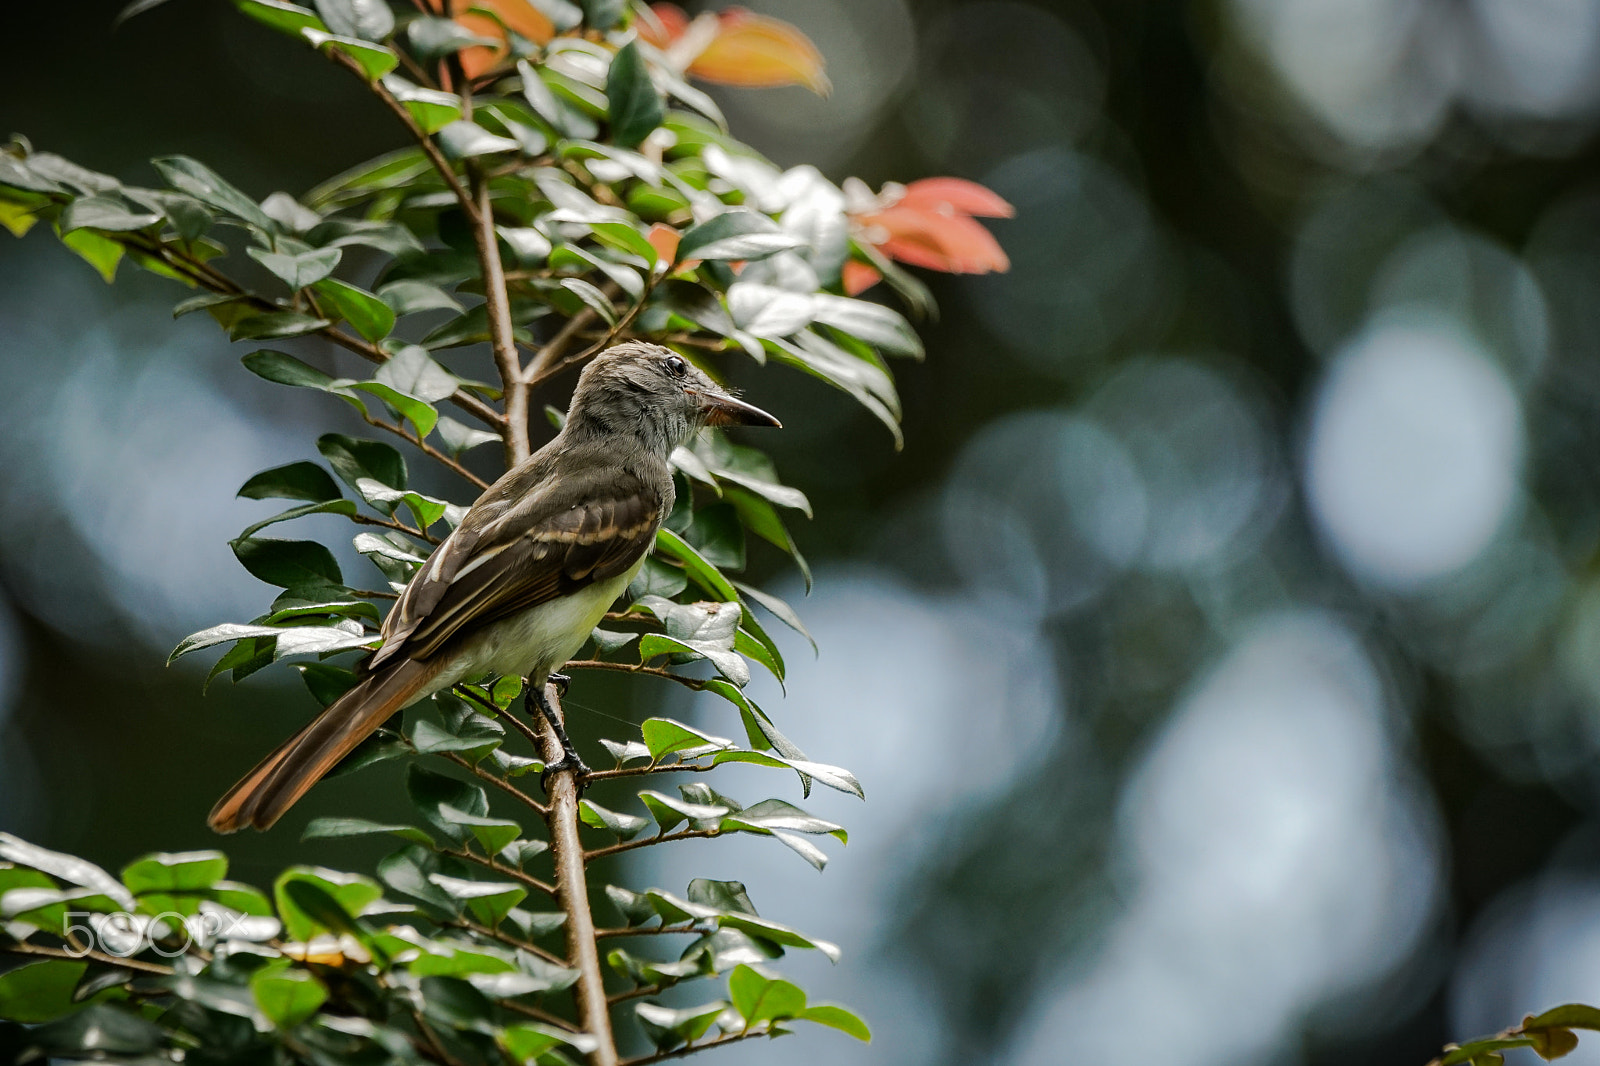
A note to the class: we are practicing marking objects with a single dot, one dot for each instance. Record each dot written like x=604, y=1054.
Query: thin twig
x=374, y=594
x=425, y=448
x=645, y=842
x=500, y=868
x=689, y=1049
x=429, y=149
x=645, y=930
x=633, y=993
x=657, y=768
x=398, y=527
x=98, y=956
x=567, y=851
x=542, y=1015
x=640, y=668
x=510, y=941
x=502, y=338
x=498, y=782
x=556, y=346
x=433, y=1040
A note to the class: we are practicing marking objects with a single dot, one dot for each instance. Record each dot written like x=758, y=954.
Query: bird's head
x=646, y=389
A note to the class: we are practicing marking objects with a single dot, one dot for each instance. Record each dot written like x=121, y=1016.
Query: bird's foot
x=560, y=681
x=568, y=761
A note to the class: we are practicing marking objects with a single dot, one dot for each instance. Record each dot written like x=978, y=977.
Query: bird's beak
x=723, y=410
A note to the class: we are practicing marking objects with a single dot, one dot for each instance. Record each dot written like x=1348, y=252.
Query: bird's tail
x=279, y=780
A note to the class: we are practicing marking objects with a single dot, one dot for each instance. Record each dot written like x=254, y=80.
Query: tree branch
x=645, y=842
x=498, y=782
x=506, y=871
x=606, y=340
x=567, y=851
x=426, y=449
x=689, y=1049
x=656, y=768
x=640, y=668
x=645, y=930
x=98, y=956
x=543, y=1015
x=501, y=337
x=510, y=941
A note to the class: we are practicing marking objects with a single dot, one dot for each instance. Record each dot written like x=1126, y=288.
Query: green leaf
x=340, y=828
x=444, y=802
x=284, y=369
x=1567, y=1016
x=718, y=535
x=414, y=372
x=656, y=578
x=287, y=996
x=187, y=871
x=39, y=991
x=624, y=238
x=203, y=183
x=102, y=253
x=419, y=413
x=668, y=1028
x=371, y=317
x=699, y=569
x=434, y=38
x=489, y=901
x=300, y=270
x=761, y=999
x=370, y=20
x=668, y=812
x=836, y=777
x=280, y=15
x=458, y=437
x=270, y=325
x=102, y=213
x=593, y=297
x=408, y=297
x=431, y=109
x=353, y=459
x=780, y=609
x=287, y=563
x=294, y=481
x=879, y=326
x=463, y=140
x=835, y=1017
x=306, y=913
x=625, y=826
x=344, y=507
x=635, y=106
x=735, y=234
x=137, y=7
x=664, y=736
x=374, y=60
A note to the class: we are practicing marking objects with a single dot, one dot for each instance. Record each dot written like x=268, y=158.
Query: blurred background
x=1221, y=656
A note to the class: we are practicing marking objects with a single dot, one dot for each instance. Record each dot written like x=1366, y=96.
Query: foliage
x=566, y=188
x=1550, y=1035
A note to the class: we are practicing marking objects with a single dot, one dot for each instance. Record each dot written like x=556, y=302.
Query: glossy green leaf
x=287, y=563
x=592, y=297
x=634, y=105
x=371, y=317
x=102, y=253
x=40, y=991
x=304, y=915
x=735, y=234
x=298, y=270
x=370, y=20
x=204, y=184
x=187, y=871
x=294, y=481
x=835, y=1017
x=287, y=996
x=353, y=459
x=445, y=802
x=663, y=736
x=463, y=140
x=269, y=325
x=340, y=828
x=103, y=213
x=373, y=60
x=668, y=1028
x=625, y=826
x=281, y=15
x=409, y=297
x=458, y=437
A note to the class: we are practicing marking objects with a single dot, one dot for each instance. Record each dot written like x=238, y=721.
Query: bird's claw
x=569, y=761
x=560, y=681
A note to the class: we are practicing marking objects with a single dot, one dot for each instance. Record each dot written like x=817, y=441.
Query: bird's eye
x=676, y=366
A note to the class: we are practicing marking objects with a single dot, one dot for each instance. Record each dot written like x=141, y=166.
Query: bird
x=532, y=567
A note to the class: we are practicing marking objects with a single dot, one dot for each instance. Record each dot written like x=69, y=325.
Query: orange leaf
x=952, y=243
x=519, y=15
x=664, y=239
x=666, y=25
x=954, y=195
x=760, y=52
x=858, y=277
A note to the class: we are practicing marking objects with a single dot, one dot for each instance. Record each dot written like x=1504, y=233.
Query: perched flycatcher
x=534, y=565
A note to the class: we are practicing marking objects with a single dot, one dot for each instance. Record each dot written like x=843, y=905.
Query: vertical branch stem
x=498, y=304
x=572, y=887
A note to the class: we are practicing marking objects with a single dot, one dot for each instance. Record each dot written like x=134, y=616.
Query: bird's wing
x=551, y=544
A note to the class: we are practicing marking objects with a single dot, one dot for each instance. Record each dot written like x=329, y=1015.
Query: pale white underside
x=536, y=642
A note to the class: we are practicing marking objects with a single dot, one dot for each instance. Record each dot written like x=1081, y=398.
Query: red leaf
x=760, y=52
x=858, y=277
x=666, y=26
x=664, y=239
x=952, y=243
x=955, y=195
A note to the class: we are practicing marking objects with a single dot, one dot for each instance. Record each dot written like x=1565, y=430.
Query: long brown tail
x=279, y=780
